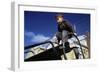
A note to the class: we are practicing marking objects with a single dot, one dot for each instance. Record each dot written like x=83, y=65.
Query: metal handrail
x=78, y=43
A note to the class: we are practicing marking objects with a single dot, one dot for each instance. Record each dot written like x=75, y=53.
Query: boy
x=64, y=28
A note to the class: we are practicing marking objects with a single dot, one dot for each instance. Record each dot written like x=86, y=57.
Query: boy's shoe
x=67, y=47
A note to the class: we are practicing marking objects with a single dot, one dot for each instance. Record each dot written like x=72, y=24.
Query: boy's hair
x=58, y=15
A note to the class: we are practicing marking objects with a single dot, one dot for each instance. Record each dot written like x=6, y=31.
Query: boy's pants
x=63, y=36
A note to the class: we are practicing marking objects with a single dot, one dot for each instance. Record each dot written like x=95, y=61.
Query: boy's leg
x=65, y=41
x=66, y=44
x=59, y=36
x=65, y=38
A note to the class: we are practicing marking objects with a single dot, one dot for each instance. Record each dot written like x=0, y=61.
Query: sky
x=41, y=26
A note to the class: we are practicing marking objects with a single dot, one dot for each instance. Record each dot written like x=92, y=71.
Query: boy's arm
x=69, y=26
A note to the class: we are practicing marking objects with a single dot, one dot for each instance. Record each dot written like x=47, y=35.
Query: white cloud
x=39, y=38
x=36, y=37
x=29, y=34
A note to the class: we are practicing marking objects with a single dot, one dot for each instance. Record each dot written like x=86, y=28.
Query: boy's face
x=59, y=19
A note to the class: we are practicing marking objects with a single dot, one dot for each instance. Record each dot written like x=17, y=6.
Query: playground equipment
x=55, y=52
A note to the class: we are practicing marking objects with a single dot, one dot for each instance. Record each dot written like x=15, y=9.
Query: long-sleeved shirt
x=65, y=25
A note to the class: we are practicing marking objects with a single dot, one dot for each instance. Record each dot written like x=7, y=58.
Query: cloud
x=36, y=38
x=39, y=38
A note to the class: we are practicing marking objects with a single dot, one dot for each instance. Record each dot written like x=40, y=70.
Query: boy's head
x=59, y=18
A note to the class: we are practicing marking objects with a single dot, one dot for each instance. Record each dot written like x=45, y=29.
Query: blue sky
x=41, y=26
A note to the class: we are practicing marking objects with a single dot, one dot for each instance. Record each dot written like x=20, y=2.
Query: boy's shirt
x=65, y=25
